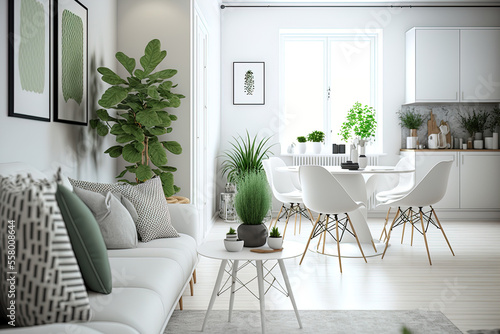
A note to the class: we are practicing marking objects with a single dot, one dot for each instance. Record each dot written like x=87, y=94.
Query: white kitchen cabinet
x=432, y=65
x=452, y=65
x=479, y=180
x=424, y=161
x=480, y=65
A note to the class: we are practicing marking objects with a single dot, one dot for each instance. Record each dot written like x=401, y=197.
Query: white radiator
x=328, y=160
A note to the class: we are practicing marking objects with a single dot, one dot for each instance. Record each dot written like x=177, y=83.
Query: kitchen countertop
x=446, y=150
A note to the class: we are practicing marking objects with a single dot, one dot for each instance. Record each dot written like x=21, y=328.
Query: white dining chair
x=284, y=191
x=405, y=183
x=323, y=194
x=426, y=193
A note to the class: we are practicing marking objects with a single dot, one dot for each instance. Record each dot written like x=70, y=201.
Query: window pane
x=304, y=88
x=350, y=80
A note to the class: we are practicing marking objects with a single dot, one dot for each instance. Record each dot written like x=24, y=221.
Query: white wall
x=169, y=21
x=46, y=145
x=210, y=11
x=252, y=34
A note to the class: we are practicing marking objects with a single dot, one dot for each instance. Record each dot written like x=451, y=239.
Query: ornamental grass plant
x=253, y=200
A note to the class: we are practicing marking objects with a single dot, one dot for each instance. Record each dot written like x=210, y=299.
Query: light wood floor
x=466, y=288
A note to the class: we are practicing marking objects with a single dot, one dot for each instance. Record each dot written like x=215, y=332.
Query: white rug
x=352, y=322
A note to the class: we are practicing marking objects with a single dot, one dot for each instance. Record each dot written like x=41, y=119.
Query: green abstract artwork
x=72, y=49
x=31, y=56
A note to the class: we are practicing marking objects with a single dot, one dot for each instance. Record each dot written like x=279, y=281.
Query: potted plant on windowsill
x=275, y=240
x=360, y=127
x=301, y=146
x=412, y=121
x=252, y=203
x=141, y=120
x=315, y=139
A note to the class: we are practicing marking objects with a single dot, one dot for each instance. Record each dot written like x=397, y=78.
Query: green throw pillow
x=86, y=240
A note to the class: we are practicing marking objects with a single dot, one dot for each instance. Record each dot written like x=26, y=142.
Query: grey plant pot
x=253, y=235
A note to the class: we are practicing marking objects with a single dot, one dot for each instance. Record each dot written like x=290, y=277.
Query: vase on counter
x=495, y=140
x=412, y=140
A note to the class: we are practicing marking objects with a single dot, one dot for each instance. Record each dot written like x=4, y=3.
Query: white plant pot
x=362, y=161
x=411, y=142
x=301, y=148
x=233, y=245
x=488, y=143
x=275, y=243
x=315, y=148
x=495, y=140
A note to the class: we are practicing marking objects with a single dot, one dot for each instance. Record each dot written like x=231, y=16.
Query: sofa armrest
x=184, y=219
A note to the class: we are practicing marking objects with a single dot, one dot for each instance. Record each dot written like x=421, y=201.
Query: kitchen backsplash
x=448, y=113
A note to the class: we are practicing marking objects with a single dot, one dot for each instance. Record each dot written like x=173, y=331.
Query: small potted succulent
x=301, y=146
x=231, y=235
x=412, y=121
x=275, y=240
x=232, y=243
x=315, y=139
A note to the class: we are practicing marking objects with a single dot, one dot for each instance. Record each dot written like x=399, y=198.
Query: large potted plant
x=474, y=123
x=315, y=139
x=141, y=119
x=252, y=202
x=360, y=127
x=245, y=156
x=411, y=120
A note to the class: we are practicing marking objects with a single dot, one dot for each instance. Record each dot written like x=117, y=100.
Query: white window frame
x=328, y=35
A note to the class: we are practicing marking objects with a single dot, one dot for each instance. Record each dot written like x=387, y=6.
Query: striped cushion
x=149, y=201
x=48, y=283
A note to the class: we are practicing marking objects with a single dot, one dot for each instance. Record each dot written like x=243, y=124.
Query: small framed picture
x=249, y=83
x=29, y=59
x=70, y=62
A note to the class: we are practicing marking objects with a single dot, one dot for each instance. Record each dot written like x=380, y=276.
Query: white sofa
x=148, y=281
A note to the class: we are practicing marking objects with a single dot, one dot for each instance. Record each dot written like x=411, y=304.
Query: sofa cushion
x=182, y=250
x=149, y=200
x=48, y=284
x=115, y=221
x=139, y=308
x=86, y=239
x=162, y=275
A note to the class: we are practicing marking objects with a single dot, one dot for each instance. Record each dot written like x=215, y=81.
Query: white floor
x=466, y=288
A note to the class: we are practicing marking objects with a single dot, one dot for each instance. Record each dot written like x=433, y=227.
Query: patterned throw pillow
x=46, y=285
x=149, y=200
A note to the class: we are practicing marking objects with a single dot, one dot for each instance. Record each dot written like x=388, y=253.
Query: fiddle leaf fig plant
x=140, y=101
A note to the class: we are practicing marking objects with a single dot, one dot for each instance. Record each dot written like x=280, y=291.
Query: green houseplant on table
x=140, y=101
x=360, y=126
x=252, y=203
x=315, y=139
x=412, y=121
x=275, y=240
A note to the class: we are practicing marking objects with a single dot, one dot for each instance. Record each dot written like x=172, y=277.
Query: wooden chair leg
x=286, y=222
x=191, y=287
x=300, y=220
x=194, y=276
x=279, y=213
x=356, y=236
x=324, y=235
x=441, y=227
x=181, y=306
x=308, y=241
x=297, y=210
x=425, y=238
x=373, y=244
x=390, y=230
x=412, y=227
x=311, y=216
x=403, y=234
x=385, y=225
x=338, y=243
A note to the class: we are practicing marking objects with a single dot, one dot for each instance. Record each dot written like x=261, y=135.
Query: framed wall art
x=70, y=62
x=248, y=83
x=29, y=71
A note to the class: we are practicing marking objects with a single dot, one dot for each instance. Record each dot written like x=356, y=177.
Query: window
x=322, y=74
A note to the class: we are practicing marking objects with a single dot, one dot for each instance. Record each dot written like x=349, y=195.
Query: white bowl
x=233, y=245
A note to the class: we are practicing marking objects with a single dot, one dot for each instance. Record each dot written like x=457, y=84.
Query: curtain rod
x=359, y=6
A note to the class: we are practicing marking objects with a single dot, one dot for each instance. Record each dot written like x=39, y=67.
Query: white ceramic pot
x=495, y=140
x=478, y=144
x=275, y=243
x=315, y=148
x=233, y=245
x=301, y=148
x=362, y=161
x=488, y=143
x=411, y=142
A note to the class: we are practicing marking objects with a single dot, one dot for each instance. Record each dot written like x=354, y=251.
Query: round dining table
x=354, y=183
